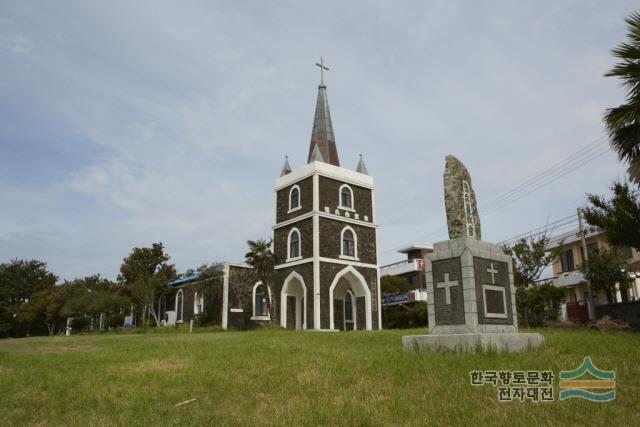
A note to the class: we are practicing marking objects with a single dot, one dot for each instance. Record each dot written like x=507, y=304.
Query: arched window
x=198, y=303
x=346, y=197
x=294, y=198
x=261, y=300
x=294, y=244
x=348, y=307
x=179, y=305
x=349, y=242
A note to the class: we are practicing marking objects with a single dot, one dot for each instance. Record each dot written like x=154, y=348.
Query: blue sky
x=127, y=123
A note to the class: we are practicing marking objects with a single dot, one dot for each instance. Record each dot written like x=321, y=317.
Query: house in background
x=411, y=269
x=567, y=274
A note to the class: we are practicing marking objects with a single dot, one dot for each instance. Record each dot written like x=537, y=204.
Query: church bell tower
x=325, y=237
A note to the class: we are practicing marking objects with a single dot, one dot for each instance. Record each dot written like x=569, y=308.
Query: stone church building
x=325, y=240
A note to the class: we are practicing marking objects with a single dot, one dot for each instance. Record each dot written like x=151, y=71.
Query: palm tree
x=623, y=122
x=263, y=261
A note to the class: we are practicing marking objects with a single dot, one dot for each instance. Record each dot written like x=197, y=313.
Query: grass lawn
x=295, y=378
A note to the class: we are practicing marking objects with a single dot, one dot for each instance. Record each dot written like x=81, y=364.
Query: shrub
x=114, y=320
x=79, y=324
x=397, y=317
x=538, y=305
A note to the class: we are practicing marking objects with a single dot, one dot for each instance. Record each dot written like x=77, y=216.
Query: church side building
x=325, y=238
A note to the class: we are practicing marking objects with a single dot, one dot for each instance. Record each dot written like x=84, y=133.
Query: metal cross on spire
x=322, y=68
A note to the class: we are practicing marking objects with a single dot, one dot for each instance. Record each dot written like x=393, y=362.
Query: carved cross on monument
x=322, y=68
x=447, y=285
x=493, y=272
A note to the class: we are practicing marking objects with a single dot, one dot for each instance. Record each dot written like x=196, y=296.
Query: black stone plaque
x=447, y=279
x=492, y=288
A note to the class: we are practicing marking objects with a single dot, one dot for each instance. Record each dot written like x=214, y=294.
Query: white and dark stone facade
x=325, y=239
x=335, y=267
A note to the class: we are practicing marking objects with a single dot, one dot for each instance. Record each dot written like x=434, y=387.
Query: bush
x=79, y=324
x=114, y=320
x=538, y=305
x=397, y=317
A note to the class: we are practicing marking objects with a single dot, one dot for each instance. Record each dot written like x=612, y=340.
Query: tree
x=45, y=306
x=394, y=285
x=93, y=295
x=604, y=269
x=145, y=273
x=530, y=258
x=618, y=217
x=19, y=280
x=538, y=305
x=263, y=261
x=623, y=122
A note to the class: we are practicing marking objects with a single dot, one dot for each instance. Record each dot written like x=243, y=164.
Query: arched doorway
x=293, y=297
x=350, y=306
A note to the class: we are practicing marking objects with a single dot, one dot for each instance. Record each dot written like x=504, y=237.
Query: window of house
x=260, y=301
x=294, y=243
x=348, y=243
x=592, y=247
x=566, y=259
x=179, y=304
x=346, y=197
x=294, y=198
x=348, y=307
x=627, y=252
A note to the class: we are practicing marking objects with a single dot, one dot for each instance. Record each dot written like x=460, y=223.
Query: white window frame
x=293, y=209
x=340, y=205
x=197, y=311
x=353, y=310
x=502, y=289
x=181, y=294
x=289, y=258
x=253, y=302
x=355, y=244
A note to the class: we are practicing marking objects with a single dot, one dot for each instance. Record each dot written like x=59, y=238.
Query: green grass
x=277, y=377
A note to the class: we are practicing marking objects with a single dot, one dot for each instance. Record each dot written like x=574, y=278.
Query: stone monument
x=470, y=293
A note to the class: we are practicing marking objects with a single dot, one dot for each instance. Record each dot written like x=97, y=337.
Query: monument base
x=464, y=343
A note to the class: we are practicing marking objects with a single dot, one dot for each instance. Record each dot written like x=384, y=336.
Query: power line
x=547, y=172
x=539, y=181
x=545, y=183
x=569, y=224
x=542, y=227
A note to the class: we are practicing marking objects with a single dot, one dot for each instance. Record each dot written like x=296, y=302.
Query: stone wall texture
x=281, y=236
x=330, y=240
x=306, y=200
x=330, y=197
x=306, y=271
x=328, y=272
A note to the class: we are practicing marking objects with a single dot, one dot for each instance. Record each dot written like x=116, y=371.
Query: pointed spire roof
x=361, y=167
x=286, y=168
x=322, y=134
x=316, y=156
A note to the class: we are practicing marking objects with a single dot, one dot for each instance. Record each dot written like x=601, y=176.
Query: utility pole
x=585, y=258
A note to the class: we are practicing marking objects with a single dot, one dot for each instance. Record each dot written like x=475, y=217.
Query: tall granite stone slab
x=460, y=201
